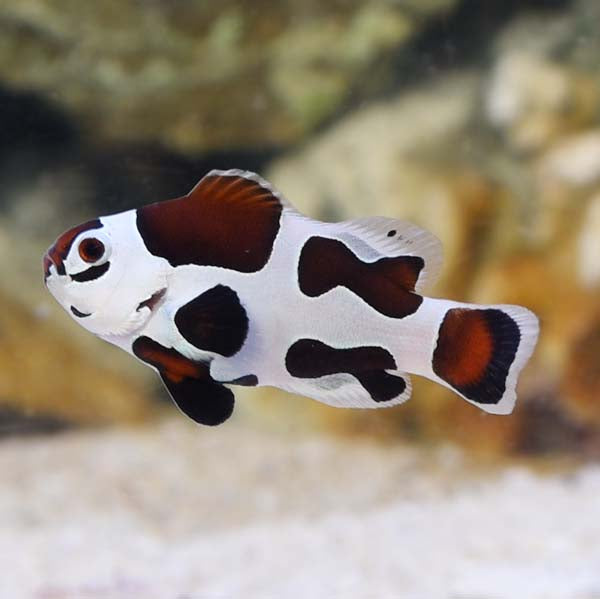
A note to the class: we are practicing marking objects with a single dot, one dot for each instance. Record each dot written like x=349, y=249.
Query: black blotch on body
x=248, y=380
x=189, y=383
x=475, y=350
x=381, y=385
x=387, y=284
x=310, y=358
x=94, y=272
x=391, y=233
x=214, y=321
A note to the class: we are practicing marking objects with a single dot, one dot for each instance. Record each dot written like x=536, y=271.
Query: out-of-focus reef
x=200, y=76
x=496, y=151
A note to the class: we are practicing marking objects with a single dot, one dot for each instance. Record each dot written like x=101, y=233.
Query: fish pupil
x=91, y=250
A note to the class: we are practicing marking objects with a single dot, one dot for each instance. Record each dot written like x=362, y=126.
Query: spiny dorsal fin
x=230, y=219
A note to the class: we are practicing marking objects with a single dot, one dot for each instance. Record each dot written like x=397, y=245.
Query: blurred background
x=479, y=121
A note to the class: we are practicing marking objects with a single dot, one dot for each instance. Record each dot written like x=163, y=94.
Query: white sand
x=185, y=513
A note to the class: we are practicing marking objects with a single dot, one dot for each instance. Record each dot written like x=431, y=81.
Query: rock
x=573, y=161
x=535, y=101
x=588, y=246
x=545, y=83
x=372, y=162
x=565, y=178
x=202, y=76
x=581, y=381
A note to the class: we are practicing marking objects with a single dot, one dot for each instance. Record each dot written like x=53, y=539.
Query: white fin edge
x=528, y=324
x=350, y=395
x=251, y=176
x=408, y=240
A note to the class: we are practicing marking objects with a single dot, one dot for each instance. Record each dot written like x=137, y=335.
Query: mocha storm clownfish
x=230, y=285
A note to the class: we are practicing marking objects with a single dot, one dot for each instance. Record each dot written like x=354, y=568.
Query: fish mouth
x=153, y=300
x=78, y=313
x=47, y=264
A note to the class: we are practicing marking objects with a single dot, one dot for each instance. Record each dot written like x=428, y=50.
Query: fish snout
x=47, y=263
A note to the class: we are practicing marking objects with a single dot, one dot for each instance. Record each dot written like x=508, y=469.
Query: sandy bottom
x=185, y=513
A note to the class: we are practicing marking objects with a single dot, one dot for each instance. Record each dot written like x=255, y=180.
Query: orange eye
x=91, y=249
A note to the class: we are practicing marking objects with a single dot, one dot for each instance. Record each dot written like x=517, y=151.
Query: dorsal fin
x=230, y=219
x=392, y=237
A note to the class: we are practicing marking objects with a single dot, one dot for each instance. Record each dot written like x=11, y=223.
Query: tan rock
x=588, y=246
x=535, y=101
x=581, y=381
x=574, y=161
x=566, y=178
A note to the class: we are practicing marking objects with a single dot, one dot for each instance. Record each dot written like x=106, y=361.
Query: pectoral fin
x=189, y=383
x=204, y=401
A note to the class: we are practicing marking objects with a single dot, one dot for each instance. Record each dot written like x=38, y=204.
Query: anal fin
x=366, y=390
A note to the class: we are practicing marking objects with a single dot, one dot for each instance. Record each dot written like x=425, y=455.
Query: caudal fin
x=481, y=350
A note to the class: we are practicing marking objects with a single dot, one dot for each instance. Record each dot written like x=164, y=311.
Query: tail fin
x=481, y=350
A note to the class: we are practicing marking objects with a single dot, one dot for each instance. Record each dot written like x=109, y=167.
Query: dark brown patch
x=214, y=321
x=387, y=284
x=189, y=383
x=474, y=351
x=225, y=221
x=310, y=359
x=58, y=253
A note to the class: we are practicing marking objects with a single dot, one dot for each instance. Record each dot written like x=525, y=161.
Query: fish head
x=101, y=273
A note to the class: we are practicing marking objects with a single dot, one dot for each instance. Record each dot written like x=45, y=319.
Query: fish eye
x=91, y=250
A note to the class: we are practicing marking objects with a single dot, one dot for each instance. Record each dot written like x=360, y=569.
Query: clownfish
x=231, y=285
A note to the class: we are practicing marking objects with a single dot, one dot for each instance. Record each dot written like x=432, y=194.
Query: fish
x=230, y=285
